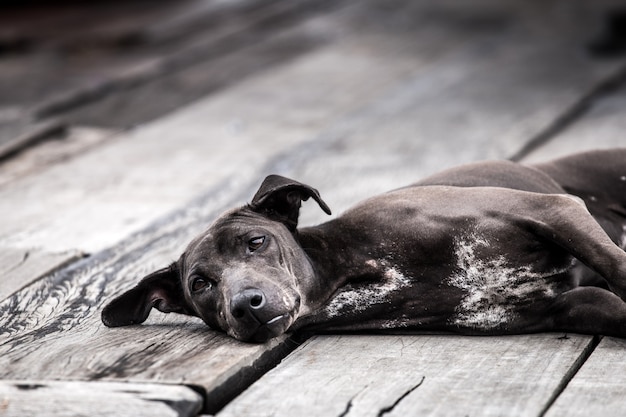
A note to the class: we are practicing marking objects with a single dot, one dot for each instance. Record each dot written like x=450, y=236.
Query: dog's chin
x=266, y=331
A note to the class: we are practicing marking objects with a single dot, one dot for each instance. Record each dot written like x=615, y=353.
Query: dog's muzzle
x=257, y=318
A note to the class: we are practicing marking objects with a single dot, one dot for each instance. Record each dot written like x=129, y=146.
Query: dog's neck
x=335, y=260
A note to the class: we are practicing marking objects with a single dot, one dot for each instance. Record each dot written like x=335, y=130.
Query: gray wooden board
x=601, y=127
x=484, y=101
x=52, y=328
x=414, y=375
x=95, y=399
x=223, y=33
x=19, y=267
x=598, y=387
x=72, y=48
x=95, y=200
x=57, y=148
x=116, y=47
x=18, y=131
x=153, y=98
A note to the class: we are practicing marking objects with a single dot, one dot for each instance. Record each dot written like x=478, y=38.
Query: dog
x=489, y=248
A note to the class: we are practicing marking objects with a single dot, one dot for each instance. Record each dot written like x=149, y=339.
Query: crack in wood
x=350, y=403
x=389, y=409
x=20, y=263
x=572, y=114
x=571, y=373
x=345, y=412
x=28, y=387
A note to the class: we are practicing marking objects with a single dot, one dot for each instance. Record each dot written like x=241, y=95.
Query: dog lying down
x=488, y=248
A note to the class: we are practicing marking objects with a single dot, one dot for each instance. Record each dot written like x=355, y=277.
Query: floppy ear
x=280, y=198
x=161, y=290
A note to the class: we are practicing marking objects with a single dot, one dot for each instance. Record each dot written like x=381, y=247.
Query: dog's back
x=503, y=174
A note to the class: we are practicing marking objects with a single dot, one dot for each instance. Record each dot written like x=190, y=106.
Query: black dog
x=486, y=248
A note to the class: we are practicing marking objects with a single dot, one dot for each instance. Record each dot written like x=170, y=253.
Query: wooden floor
x=126, y=127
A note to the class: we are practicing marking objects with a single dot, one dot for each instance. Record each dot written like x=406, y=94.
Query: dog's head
x=246, y=275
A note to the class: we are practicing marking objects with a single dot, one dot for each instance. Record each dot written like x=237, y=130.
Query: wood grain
x=59, y=317
x=95, y=399
x=19, y=136
x=56, y=149
x=52, y=330
x=601, y=127
x=20, y=267
x=74, y=51
x=413, y=375
x=122, y=186
x=468, y=105
x=179, y=43
x=598, y=387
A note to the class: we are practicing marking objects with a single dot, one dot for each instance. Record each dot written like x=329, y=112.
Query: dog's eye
x=255, y=243
x=199, y=283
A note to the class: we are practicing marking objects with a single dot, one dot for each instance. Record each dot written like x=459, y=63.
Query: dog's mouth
x=276, y=319
x=261, y=332
x=272, y=328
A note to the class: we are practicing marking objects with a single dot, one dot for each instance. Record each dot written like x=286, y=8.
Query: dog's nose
x=246, y=302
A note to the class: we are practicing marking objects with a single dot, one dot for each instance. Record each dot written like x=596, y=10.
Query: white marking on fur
x=372, y=263
x=492, y=287
x=395, y=324
x=358, y=298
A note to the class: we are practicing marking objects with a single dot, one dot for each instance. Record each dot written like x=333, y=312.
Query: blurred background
x=117, y=64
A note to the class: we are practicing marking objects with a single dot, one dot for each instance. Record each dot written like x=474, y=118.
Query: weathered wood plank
x=598, y=387
x=95, y=200
x=52, y=329
x=119, y=36
x=601, y=126
x=19, y=133
x=175, y=44
x=20, y=267
x=413, y=375
x=48, y=70
x=57, y=148
x=94, y=399
x=177, y=87
x=475, y=103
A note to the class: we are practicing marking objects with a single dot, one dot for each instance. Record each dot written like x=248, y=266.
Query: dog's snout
x=246, y=302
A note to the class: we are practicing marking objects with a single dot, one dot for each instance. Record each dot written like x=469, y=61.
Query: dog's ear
x=161, y=290
x=280, y=198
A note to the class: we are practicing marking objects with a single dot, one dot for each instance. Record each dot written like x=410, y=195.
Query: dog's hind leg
x=588, y=310
x=562, y=221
